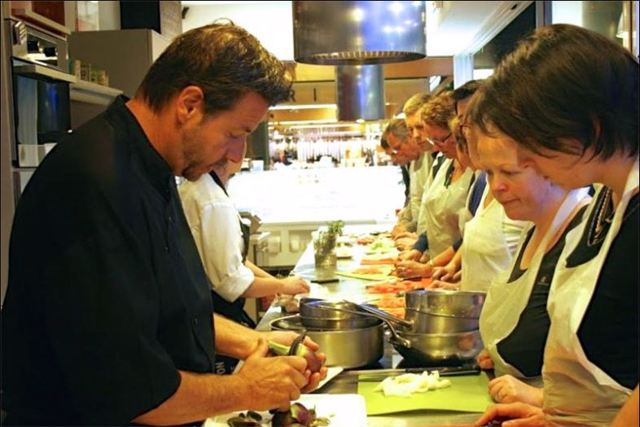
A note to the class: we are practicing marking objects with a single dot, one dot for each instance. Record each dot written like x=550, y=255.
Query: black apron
x=231, y=310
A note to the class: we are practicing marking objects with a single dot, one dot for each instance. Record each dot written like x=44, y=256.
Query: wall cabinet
x=126, y=55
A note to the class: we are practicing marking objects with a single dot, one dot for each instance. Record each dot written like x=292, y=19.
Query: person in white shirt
x=490, y=237
x=419, y=169
x=445, y=194
x=217, y=230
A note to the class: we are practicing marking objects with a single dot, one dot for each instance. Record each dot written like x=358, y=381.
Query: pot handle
x=382, y=315
x=397, y=339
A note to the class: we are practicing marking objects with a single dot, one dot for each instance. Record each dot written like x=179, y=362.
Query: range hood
x=357, y=36
x=358, y=32
x=360, y=92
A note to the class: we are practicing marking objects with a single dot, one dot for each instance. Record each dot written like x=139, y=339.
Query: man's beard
x=194, y=168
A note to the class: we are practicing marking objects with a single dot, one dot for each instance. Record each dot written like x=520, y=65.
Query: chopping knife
x=375, y=375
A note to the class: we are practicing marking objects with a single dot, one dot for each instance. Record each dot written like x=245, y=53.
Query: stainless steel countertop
x=355, y=290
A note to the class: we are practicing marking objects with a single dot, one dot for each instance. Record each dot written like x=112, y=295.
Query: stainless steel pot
x=319, y=308
x=320, y=314
x=439, y=349
x=322, y=323
x=349, y=348
x=424, y=322
x=351, y=312
x=440, y=302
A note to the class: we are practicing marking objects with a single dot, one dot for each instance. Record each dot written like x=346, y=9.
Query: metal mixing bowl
x=442, y=302
x=349, y=348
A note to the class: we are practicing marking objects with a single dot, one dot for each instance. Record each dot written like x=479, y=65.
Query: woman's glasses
x=439, y=141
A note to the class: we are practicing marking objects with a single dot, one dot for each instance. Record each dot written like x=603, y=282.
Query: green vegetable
x=325, y=243
x=297, y=348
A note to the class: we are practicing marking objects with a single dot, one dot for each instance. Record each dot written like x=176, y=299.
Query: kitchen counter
x=355, y=290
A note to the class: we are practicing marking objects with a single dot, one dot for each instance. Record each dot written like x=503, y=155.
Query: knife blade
x=374, y=375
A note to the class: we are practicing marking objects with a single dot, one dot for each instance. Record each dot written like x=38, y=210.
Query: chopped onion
x=406, y=384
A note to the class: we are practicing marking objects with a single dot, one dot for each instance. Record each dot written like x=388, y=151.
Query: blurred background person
x=445, y=197
x=419, y=166
x=392, y=140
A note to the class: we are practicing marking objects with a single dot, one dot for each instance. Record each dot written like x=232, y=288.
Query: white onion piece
x=407, y=384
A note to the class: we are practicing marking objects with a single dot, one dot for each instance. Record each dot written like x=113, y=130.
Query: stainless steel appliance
x=39, y=65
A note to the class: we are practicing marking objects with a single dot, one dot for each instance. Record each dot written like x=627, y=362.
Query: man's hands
x=271, y=382
x=518, y=414
x=294, y=285
x=286, y=338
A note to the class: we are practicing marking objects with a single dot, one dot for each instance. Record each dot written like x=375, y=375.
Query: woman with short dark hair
x=569, y=98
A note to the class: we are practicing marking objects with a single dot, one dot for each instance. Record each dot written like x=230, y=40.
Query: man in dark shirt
x=108, y=316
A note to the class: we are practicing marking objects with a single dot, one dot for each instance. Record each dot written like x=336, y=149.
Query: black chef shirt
x=107, y=295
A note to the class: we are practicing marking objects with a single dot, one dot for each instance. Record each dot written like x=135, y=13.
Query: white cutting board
x=343, y=410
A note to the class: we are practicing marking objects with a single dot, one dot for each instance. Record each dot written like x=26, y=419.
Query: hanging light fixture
x=358, y=32
x=356, y=36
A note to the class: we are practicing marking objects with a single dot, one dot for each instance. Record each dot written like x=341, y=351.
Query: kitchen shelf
x=36, y=70
x=24, y=168
x=36, y=18
x=92, y=93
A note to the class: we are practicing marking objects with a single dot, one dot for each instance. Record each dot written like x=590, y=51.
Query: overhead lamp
x=358, y=32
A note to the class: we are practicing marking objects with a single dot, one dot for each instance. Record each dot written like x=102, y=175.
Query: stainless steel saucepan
x=347, y=308
x=349, y=348
x=439, y=349
x=320, y=314
x=445, y=303
x=424, y=322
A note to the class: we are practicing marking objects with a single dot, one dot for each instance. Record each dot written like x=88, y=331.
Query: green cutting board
x=467, y=393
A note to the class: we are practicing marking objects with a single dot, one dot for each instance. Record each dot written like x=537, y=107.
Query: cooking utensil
x=349, y=348
x=424, y=322
x=317, y=316
x=446, y=303
x=377, y=375
x=347, y=309
x=359, y=310
x=383, y=315
x=324, y=324
x=319, y=308
x=439, y=349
